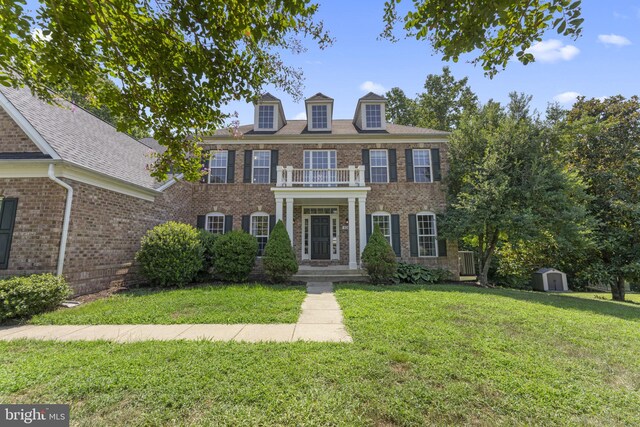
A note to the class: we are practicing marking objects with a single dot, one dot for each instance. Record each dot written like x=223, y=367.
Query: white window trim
x=435, y=236
x=388, y=215
x=255, y=215
x=386, y=153
x=363, y=112
x=413, y=160
x=275, y=117
x=215, y=214
x=253, y=167
x=311, y=126
x=226, y=166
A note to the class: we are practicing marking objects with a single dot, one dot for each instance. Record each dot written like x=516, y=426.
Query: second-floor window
x=373, y=115
x=319, y=117
x=422, y=165
x=379, y=161
x=261, y=166
x=321, y=166
x=266, y=116
x=218, y=167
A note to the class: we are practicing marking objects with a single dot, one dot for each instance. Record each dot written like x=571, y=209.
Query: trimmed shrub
x=379, y=259
x=170, y=254
x=417, y=274
x=279, y=260
x=234, y=255
x=26, y=296
x=207, y=240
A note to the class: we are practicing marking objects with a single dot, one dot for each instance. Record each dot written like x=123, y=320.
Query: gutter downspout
x=65, y=221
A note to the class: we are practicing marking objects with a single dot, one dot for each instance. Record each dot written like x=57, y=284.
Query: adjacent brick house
x=329, y=181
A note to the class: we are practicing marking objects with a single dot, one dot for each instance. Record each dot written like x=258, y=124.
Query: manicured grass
x=634, y=298
x=438, y=355
x=202, y=304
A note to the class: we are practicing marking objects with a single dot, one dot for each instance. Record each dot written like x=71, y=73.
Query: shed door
x=554, y=281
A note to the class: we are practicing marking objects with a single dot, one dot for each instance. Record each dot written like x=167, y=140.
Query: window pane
x=215, y=224
x=426, y=246
x=319, y=116
x=378, y=157
x=262, y=158
x=426, y=235
x=265, y=117
x=260, y=229
x=373, y=116
x=422, y=165
x=379, y=174
x=218, y=175
x=218, y=159
x=261, y=167
x=384, y=222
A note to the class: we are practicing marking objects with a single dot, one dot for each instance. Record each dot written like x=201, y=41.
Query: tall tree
x=503, y=185
x=604, y=147
x=400, y=109
x=175, y=63
x=496, y=29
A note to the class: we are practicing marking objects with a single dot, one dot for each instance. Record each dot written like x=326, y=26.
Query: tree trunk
x=485, y=257
x=617, y=289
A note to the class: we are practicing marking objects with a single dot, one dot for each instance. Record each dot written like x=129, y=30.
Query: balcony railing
x=288, y=176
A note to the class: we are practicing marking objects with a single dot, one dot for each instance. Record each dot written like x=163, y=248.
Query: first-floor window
x=383, y=221
x=260, y=230
x=215, y=223
x=427, y=235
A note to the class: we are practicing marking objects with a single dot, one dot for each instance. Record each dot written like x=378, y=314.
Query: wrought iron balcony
x=288, y=176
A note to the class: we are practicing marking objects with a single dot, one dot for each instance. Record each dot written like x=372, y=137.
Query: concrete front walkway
x=320, y=321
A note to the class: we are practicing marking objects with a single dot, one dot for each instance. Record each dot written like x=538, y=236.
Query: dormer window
x=319, y=116
x=268, y=114
x=373, y=115
x=265, y=117
x=370, y=113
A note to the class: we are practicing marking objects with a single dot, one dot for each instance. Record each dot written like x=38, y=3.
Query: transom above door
x=320, y=233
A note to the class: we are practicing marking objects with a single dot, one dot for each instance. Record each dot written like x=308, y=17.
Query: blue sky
x=596, y=65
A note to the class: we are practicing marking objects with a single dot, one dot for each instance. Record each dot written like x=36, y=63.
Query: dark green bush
x=170, y=254
x=208, y=241
x=379, y=259
x=279, y=260
x=26, y=296
x=419, y=274
x=235, y=254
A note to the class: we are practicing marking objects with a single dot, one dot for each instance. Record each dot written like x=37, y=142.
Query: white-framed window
x=260, y=229
x=320, y=168
x=422, y=165
x=382, y=220
x=215, y=223
x=218, y=167
x=379, y=165
x=266, y=115
x=261, y=170
x=427, y=234
x=373, y=115
x=319, y=117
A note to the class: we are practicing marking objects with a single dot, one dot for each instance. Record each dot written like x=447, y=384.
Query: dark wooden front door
x=320, y=237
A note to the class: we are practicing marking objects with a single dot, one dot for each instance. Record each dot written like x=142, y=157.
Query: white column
x=362, y=218
x=353, y=264
x=278, y=209
x=290, y=219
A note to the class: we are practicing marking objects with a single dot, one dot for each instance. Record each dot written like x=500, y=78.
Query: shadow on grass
x=562, y=301
x=139, y=291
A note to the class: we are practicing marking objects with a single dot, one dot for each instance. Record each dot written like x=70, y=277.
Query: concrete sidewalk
x=320, y=321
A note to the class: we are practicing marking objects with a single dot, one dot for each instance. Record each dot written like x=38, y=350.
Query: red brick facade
x=12, y=138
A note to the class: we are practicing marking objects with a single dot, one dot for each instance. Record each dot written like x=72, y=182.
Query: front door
x=320, y=237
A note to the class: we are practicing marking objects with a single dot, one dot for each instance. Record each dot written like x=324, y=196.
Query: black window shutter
x=408, y=154
x=274, y=166
x=369, y=226
x=8, y=209
x=442, y=247
x=231, y=166
x=228, y=223
x=202, y=221
x=205, y=166
x=413, y=236
x=248, y=158
x=435, y=163
x=395, y=233
x=393, y=166
x=246, y=223
x=365, y=162
x=272, y=222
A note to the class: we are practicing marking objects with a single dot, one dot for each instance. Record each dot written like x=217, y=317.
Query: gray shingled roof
x=81, y=138
x=372, y=97
x=338, y=127
x=319, y=97
x=268, y=98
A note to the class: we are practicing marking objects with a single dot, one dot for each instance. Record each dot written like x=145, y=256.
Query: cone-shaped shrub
x=234, y=255
x=170, y=254
x=379, y=259
x=279, y=260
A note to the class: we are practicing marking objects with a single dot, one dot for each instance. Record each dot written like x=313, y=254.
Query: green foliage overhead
x=235, y=255
x=494, y=30
x=279, y=260
x=378, y=258
x=26, y=296
x=170, y=254
x=175, y=63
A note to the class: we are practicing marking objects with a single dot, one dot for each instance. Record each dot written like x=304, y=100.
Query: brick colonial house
x=76, y=196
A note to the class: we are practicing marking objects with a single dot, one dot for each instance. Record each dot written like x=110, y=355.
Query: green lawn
x=422, y=355
x=634, y=298
x=203, y=304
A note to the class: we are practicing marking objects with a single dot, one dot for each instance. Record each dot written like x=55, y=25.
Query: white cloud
x=553, y=51
x=614, y=39
x=38, y=35
x=300, y=116
x=370, y=86
x=567, y=98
